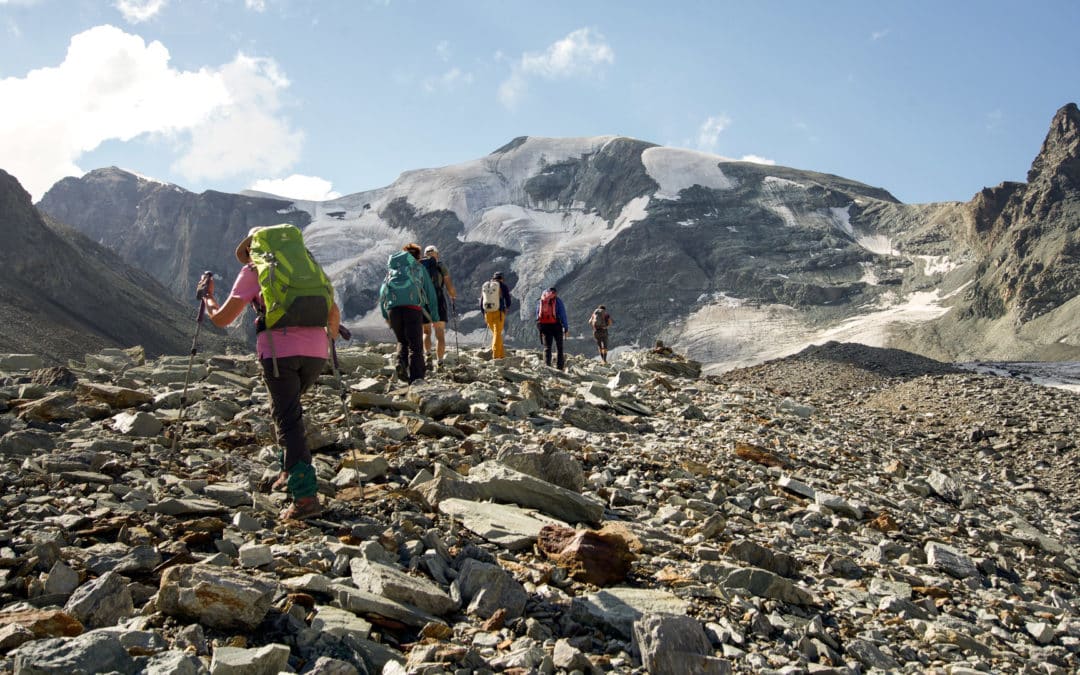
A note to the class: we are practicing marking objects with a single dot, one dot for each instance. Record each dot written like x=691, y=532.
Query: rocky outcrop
x=843, y=510
x=1033, y=232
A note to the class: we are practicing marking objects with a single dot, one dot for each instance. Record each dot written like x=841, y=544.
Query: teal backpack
x=404, y=284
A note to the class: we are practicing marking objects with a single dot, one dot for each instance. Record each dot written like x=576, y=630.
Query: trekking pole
x=344, y=333
x=201, y=296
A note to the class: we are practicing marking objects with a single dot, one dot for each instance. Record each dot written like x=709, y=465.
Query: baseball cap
x=497, y=275
x=430, y=249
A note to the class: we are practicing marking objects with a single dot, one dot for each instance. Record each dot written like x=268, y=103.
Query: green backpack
x=295, y=290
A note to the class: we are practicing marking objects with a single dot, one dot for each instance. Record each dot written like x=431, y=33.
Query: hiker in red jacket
x=552, y=323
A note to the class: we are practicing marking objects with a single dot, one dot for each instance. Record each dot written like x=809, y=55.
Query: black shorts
x=441, y=303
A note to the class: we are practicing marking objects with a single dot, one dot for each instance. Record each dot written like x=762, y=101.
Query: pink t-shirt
x=288, y=341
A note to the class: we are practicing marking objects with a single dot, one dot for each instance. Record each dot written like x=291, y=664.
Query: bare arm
x=451, y=291
x=222, y=315
x=333, y=321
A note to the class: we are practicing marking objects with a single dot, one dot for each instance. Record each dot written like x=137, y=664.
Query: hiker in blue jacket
x=552, y=324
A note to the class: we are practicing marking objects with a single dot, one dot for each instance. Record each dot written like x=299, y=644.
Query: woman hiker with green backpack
x=296, y=301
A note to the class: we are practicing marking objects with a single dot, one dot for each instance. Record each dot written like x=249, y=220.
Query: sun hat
x=243, y=254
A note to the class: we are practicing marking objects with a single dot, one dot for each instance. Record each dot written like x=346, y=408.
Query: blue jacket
x=560, y=313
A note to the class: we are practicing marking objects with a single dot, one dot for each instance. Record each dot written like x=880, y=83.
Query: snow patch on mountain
x=144, y=178
x=675, y=169
x=876, y=243
x=937, y=264
x=727, y=335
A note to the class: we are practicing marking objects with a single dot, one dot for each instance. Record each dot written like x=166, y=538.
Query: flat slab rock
x=619, y=607
x=504, y=524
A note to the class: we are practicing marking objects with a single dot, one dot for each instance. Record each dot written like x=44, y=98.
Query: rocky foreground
x=845, y=510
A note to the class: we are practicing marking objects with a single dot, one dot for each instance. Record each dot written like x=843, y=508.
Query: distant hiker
x=662, y=349
x=440, y=279
x=495, y=300
x=279, y=273
x=406, y=300
x=600, y=321
x=551, y=321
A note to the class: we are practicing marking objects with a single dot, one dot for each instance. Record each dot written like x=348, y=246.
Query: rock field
x=843, y=510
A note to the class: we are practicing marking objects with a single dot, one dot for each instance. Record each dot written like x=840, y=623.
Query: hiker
x=440, y=279
x=551, y=321
x=406, y=299
x=662, y=349
x=495, y=300
x=600, y=322
x=292, y=355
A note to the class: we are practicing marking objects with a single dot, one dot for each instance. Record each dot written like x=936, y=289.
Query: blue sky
x=930, y=100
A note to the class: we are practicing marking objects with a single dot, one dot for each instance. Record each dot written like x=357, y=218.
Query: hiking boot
x=303, y=508
x=417, y=382
x=402, y=372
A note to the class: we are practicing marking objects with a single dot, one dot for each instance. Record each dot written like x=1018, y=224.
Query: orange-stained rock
x=884, y=523
x=45, y=623
x=600, y=558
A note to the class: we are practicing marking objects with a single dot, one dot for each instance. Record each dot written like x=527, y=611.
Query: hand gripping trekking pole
x=344, y=333
x=201, y=296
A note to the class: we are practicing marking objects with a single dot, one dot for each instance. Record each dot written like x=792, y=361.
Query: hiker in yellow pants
x=495, y=300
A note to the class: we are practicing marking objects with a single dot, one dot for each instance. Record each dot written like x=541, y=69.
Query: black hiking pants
x=552, y=332
x=296, y=374
x=408, y=326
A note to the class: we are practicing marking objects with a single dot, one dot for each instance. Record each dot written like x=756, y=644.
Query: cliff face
x=62, y=295
x=164, y=230
x=1032, y=232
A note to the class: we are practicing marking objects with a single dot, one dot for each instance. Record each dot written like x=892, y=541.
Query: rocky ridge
x=844, y=510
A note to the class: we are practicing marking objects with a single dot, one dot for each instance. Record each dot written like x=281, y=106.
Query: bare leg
x=440, y=338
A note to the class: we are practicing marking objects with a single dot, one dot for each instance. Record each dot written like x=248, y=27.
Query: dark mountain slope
x=62, y=295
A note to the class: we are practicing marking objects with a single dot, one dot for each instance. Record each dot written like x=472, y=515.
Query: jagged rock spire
x=1060, y=153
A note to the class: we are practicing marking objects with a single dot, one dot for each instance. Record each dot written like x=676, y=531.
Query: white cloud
x=255, y=5
x=709, y=133
x=582, y=53
x=993, y=120
x=311, y=188
x=137, y=11
x=114, y=86
x=246, y=135
x=448, y=81
x=757, y=160
x=13, y=29
x=879, y=34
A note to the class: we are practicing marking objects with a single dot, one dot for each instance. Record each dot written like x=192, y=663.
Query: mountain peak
x=1060, y=153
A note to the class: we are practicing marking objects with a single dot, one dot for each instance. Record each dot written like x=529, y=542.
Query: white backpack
x=489, y=295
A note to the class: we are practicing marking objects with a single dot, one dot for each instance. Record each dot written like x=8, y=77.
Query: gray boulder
x=671, y=644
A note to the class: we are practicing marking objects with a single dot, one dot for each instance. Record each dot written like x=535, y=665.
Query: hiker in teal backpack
x=406, y=299
x=293, y=352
